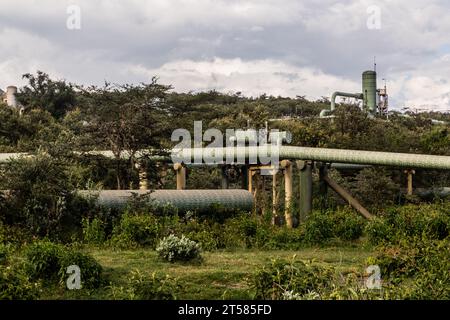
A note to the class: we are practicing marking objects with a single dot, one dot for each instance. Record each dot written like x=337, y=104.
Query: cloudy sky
x=283, y=48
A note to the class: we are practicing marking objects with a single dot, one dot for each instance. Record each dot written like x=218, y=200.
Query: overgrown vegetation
x=48, y=261
x=173, y=249
x=46, y=227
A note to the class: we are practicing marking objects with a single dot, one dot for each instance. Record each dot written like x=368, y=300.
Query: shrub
x=16, y=285
x=43, y=199
x=13, y=234
x=43, y=260
x=284, y=238
x=318, y=228
x=375, y=187
x=379, y=230
x=237, y=232
x=205, y=238
x=49, y=261
x=282, y=278
x=93, y=231
x=136, y=230
x=153, y=287
x=91, y=270
x=347, y=225
x=413, y=256
x=204, y=232
x=4, y=253
x=172, y=249
x=417, y=267
x=410, y=221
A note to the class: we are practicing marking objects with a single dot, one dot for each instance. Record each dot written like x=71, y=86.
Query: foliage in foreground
x=141, y=286
x=397, y=223
x=411, y=270
x=420, y=266
x=48, y=261
x=173, y=249
x=17, y=285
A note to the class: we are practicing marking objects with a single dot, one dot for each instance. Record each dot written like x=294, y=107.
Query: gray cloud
x=295, y=47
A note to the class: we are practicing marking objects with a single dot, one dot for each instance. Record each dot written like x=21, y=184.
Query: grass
x=222, y=275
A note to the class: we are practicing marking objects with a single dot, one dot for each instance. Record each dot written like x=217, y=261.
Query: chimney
x=11, y=96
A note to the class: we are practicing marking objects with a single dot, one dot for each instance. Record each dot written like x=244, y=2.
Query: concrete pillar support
x=323, y=186
x=305, y=201
x=287, y=165
x=409, y=174
x=180, y=170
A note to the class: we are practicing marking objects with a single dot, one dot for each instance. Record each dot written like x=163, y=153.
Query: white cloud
x=252, y=78
x=294, y=47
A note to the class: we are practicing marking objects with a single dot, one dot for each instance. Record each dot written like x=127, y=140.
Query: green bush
x=379, y=230
x=413, y=256
x=43, y=260
x=91, y=270
x=205, y=238
x=93, y=231
x=13, y=234
x=238, y=232
x=318, y=228
x=347, y=225
x=4, y=253
x=410, y=221
x=43, y=198
x=16, y=285
x=49, y=261
x=375, y=187
x=204, y=232
x=135, y=230
x=173, y=249
x=284, y=238
x=418, y=268
x=153, y=287
x=281, y=279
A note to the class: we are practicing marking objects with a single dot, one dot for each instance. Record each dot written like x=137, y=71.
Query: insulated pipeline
x=407, y=160
x=182, y=200
x=250, y=153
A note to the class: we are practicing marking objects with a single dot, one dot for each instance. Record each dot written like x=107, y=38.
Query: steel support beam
x=348, y=197
x=305, y=201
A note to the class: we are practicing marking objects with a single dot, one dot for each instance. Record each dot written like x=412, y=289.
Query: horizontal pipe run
x=408, y=160
x=348, y=166
x=183, y=200
x=5, y=157
x=438, y=192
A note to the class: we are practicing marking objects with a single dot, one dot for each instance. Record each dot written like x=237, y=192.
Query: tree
x=56, y=97
x=126, y=118
x=41, y=195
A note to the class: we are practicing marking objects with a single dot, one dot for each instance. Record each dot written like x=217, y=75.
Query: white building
x=9, y=97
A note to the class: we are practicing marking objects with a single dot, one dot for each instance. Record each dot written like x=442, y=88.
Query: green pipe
x=182, y=200
x=405, y=160
x=5, y=157
x=324, y=112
